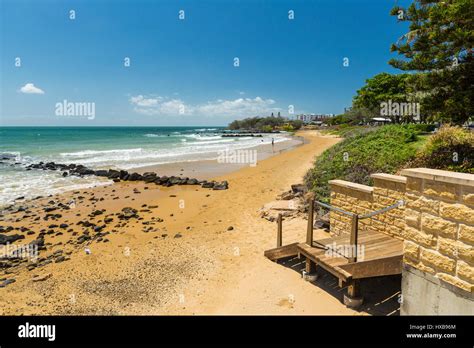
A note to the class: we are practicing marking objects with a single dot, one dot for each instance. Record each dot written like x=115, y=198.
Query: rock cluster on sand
x=288, y=204
x=123, y=175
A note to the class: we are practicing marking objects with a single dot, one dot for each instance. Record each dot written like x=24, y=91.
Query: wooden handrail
x=309, y=231
x=354, y=224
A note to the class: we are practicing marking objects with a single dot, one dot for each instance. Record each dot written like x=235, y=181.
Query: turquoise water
x=102, y=147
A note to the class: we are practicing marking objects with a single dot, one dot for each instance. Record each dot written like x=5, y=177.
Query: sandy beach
x=186, y=249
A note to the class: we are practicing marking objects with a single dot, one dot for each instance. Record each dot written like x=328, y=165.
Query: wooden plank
x=369, y=244
x=330, y=264
x=363, y=238
x=282, y=252
x=375, y=268
x=387, y=249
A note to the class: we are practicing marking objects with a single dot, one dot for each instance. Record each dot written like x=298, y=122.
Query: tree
x=439, y=45
x=296, y=124
x=353, y=116
x=380, y=89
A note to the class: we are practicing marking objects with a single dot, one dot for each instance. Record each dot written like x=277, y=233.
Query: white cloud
x=159, y=106
x=30, y=88
x=241, y=107
x=142, y=101
x=238, y=107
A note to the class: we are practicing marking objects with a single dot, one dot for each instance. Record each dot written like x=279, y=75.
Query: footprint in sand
x=286, y=303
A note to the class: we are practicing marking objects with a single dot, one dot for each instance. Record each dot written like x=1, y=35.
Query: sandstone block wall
x=436, y=224
x=351, y=197
x=439, y=232
x=362, y=199
x=388, y=190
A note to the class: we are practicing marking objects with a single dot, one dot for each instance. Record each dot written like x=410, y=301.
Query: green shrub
x=266, y=128
x=424, y=128
x=296, y=124
x=451, y=148
x=383, y=149
x=288, y=128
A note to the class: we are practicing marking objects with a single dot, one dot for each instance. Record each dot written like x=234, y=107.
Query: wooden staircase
x=350, y=257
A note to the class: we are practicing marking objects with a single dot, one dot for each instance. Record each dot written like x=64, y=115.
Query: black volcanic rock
x=113, y=174
x=207, y=184
x=117, y=176
x=128, y=213
x=4, y=239
x=101, y=172
x=221, y=186
x=135, y=177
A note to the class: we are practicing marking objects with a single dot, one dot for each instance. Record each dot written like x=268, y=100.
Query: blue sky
x=182, y=71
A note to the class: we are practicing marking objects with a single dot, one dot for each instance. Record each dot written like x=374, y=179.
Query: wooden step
x=282, y=252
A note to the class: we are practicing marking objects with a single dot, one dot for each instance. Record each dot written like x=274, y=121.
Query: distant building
x=314, y=118
x=379, y=121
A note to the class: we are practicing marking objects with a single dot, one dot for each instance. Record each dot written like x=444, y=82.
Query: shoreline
x=200, y=169
x=183, y=253
x=210, y=169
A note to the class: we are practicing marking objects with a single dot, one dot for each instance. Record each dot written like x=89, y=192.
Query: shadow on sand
x=381, y=294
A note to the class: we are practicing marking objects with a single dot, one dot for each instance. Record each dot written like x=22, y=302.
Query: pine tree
x=439, y=46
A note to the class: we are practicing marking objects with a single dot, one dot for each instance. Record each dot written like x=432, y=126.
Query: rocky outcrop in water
x=123, y=175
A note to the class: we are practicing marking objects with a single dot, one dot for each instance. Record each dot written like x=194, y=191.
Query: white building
x=309, y=118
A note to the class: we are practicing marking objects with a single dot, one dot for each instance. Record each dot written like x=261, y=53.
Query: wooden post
x=353, y=290
x=280, y=231
x=354, y=237
x=310, y=266
x=309, y=231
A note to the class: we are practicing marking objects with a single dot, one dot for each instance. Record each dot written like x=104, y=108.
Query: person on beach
x=273, y=144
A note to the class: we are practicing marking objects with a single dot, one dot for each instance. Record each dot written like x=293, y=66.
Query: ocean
x=102, y=148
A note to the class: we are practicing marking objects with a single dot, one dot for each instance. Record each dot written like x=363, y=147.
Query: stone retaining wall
x=351, y=197
x=439, y=236
x=437, y=223
x=363, y=199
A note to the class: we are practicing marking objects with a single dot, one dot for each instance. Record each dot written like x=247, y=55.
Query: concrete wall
x=425, y=294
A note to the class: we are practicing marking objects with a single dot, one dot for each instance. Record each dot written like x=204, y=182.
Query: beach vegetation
x=450, y=148
x=389, y=149
x=266, y=124
x=258, y=123
x=367, y=150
